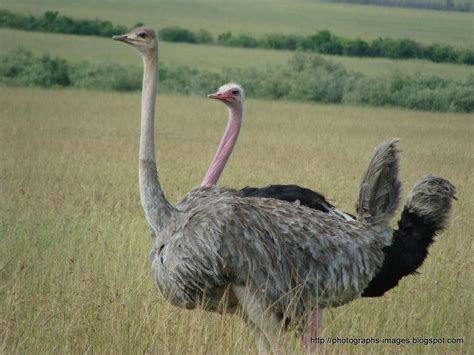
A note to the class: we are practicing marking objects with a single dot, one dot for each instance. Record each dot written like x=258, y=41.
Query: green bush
x=317, y=79
x=241, y=40
x=307, y=77
x=281, y=41
x=323, y=42
x=22, y=68
x=176, y=34
x=356, y=48
x=370, y=92
x=203, y=36
x=418, y=92
x=440, y=53
x=179, y=34
x=52, y=22
x=466, y=57
x=106, y=76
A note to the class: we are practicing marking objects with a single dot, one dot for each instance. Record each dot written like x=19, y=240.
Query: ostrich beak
x=121, y=38
x=219, y=96
x=216, y=95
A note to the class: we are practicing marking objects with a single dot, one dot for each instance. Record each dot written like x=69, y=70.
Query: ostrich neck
x=157, y=209
x=225, y=147
x=147, y=131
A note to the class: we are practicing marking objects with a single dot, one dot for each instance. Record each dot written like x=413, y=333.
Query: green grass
x=213, y=58
x=74, y=271
x=267, y=16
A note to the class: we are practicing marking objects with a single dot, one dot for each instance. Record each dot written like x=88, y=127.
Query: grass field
x=212, y=58
x=74, y=243
x=269, y=16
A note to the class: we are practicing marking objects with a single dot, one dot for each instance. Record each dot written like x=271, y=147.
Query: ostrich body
x=280, y=259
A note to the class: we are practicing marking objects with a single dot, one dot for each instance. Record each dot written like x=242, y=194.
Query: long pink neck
x=225, y=147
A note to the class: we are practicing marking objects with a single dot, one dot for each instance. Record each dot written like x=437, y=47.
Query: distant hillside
x=443, y=5
x=260, y=17
x=321, y=42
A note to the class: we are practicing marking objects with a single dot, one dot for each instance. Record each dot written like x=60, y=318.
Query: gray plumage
x=380, y=189
x=268, y=245
x=432, y=197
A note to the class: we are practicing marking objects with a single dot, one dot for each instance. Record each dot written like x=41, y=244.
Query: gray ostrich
x=278, y=260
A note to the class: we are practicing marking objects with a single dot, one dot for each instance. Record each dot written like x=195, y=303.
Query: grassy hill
x=213, y=58
x=267, y=16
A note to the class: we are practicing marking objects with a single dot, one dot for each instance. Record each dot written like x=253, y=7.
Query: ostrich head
x=231, y=94
x=142, y=38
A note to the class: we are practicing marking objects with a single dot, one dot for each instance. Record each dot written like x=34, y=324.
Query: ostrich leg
x=264, y=323
x=313, y=331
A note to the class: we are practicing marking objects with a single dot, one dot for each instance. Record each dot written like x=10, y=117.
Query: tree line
x=321, y=42
x=307, y=77
x=327, y=43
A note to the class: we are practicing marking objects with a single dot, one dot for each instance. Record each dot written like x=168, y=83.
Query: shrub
x=22, y=68
x=466, y=56
x=203, y=36
x=307, y=77
x=241, y=40
x=356, y=47
x=52, y=22
x=177, y=34
x=440, y=53
x=280, y=41
x=370, y=92
x=323, y=42
x=106, y=76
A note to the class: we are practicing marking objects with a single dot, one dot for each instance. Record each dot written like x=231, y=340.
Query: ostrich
x=410, y=241
x=279, y=259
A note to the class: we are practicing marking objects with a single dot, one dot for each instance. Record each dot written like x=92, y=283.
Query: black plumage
x=424, y=216
x=403, y=257
x=290, y=193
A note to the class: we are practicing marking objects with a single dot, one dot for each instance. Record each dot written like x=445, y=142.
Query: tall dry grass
x=74, y=244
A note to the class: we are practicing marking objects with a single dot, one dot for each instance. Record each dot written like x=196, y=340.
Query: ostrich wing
x=289, y=193
x=276, y=248
x=295, y=193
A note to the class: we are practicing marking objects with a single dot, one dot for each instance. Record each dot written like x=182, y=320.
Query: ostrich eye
x=142, y=34
x=235, y=92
